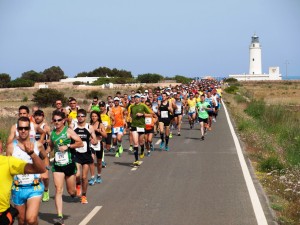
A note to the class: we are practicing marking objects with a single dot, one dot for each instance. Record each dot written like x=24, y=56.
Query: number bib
x=140, y=129
x=96, y=147
x=178, y=110
x=25, y=179
x=148, y=121
x=164, y=114
x=82, y=149
x=62, y=158
x=192, y=109
x=105, y=124
x=117, y=130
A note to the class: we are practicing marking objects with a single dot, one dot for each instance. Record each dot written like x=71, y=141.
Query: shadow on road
x=48, y=217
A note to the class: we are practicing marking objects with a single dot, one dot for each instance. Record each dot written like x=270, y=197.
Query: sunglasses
x=58, y=120
x=23, y=128
x=80, y=116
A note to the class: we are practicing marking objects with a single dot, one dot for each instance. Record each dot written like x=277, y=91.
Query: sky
x=192, y=38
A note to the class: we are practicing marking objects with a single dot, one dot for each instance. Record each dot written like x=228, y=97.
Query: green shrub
x=269, y=164
x=93, y=94
x=77, y=83
x=20, y=82
x=256, y=109
x=231, y=80
x=239, y=99
x=25, y=99
x=46, y=97
x=232, y=89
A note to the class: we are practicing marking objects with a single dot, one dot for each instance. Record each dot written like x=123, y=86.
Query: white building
x=255, y=65
x=87, y=80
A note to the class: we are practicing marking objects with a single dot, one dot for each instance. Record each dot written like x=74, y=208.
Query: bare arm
x=94, y=140
x=12, y=134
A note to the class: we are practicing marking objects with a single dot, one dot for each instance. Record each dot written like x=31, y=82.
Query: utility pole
x=286, y=68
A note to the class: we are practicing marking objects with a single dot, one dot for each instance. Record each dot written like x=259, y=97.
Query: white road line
x=158, y=142
x=258, y=210
x=90, y=215
x=136, y=167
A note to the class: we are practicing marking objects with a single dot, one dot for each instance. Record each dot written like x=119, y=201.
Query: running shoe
x=137, y=163
x=78, y=190
x=161, y=145
x=117, y=155
x=202, y=138
x=151, y=147
x=142, y=155
x=59, y=221
x=99, y=180
x=130, y=148
x=191, y=126
x=103, y=164
x=92, y=181
x=46, y=196
x=178, y=134
x=112, y=149
x=214, y=119
x=83, y=200
x=167, y=148
x=120, y=149
x=209, y=128
x=171, y=135
x=148, y=153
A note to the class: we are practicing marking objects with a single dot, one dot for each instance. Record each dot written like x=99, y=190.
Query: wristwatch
x=68, y=145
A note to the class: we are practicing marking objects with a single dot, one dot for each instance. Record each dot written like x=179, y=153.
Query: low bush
x=232, y=89
x=269, y=164
x=46, y=97
x=93, y=94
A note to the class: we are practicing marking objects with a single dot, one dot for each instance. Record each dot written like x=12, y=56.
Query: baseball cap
x=102, y=104
x=146, y=90
x=38, y=113
x=116, y=99
x=137, y=95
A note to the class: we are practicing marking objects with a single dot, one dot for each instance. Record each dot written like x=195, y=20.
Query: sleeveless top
x=61, y=158
x=179, y=109
x=118, y=115
x=25, y=179
x=85, y=135
x=155, y=107
x=38, y=136
x=164, y=111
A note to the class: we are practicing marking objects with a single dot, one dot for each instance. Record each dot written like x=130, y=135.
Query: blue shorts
x=20, y=195
x=191, y=113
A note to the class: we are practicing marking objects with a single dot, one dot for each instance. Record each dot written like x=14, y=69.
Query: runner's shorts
x=165, y=121
x=202, y=120
x=68, y=170
x=83, y=158
x=21, y=194
x=107, y=140
x=132, y=129
x=149, y=131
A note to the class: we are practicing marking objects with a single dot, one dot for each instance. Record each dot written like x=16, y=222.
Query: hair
x=148, y=101
x=82, y=111
x=23, y=119
x=95, y=97
x=98, y=114
x=58, y=113
x=24, y=107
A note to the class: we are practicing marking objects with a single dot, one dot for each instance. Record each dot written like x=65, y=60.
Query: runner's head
x=58, y=104
x=38, y=116
x=95, y=116
x=102, y=106
x=137, y=98
x=23, y=111
x=23, y=127
x=81, y=115
x=148, y=103
x=117, y=101
x=72, y=103
x=58, y=118
x=164, y=96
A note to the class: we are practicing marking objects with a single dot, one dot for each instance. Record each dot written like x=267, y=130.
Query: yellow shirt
x=198, y=99
x=219, y=90
x=106, y=121
x=192, y=105
x=9, y=166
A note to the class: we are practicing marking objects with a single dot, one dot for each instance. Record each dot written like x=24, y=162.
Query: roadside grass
x=271, y=133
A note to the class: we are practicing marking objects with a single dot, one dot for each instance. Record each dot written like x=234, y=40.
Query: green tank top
x=61, y=158
x=95, y=108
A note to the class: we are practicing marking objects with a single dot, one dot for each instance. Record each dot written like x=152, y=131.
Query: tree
x=150, y=78
x=4, y=79
x=20, y=82
x=53, y=73
x=46, y=97
x=33, y=75
x=182, y=79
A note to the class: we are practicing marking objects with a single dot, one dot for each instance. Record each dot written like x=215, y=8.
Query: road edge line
x=257, y=207
x=90, y=215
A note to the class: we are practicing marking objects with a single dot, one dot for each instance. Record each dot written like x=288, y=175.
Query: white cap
x=143, y=96
x=146, y=90
x=116, y=99
x=168, y=93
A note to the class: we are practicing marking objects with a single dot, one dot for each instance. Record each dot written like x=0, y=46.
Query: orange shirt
x=117, y=112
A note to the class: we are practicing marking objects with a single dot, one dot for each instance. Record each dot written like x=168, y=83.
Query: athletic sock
x=162, y=137
x=136, y=153
x=167, y=140
x=142, y=149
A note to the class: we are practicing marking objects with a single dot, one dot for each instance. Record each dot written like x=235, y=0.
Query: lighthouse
x=255, y=56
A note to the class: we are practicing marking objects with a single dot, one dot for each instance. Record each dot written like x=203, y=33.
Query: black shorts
x=211, y=113
x=107, y=140
x=99, y=154
x=128, y=124
x=176, y=115
x=68, y=170
x=83, y=158
x=166, y=122
x=149, y=131
x=202, y=120
x=134, y=129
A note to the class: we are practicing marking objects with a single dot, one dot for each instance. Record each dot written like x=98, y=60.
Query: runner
x=94, y=105
x=138, y=112
x=150, y=121
x=40, y=121
x=118, y=114
x=64, y=167
x=72, y=111
x=203, y=107
x=59, y=106
x=83, y=155
x=100, y=133
x=27, y=189
x=106, y=120
x=164, y=114
x=155, y=102
x=191, y=108
x=178, y=112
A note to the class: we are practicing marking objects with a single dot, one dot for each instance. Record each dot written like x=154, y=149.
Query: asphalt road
x=195, y=183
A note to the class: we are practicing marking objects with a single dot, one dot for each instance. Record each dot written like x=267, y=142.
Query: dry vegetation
x=267, y=117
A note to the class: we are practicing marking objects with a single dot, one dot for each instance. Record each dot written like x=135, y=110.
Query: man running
x=202, y=107
x=178, y=112
x=191, y=108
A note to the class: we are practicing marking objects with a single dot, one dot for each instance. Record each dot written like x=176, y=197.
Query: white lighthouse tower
x=255, y=56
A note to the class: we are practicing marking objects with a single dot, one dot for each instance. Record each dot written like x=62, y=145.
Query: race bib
x=140, y=129
x=96, y=147
x=202, y=109
x=116, y=130
x=82, y=149
x=164, y=114
x=148, y=120
x=25, y=179
x=62, y=158
x=178, y=110
x=105, y=124
x=192, y=109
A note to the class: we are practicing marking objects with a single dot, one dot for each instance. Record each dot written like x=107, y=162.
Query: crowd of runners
x=77, y=139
